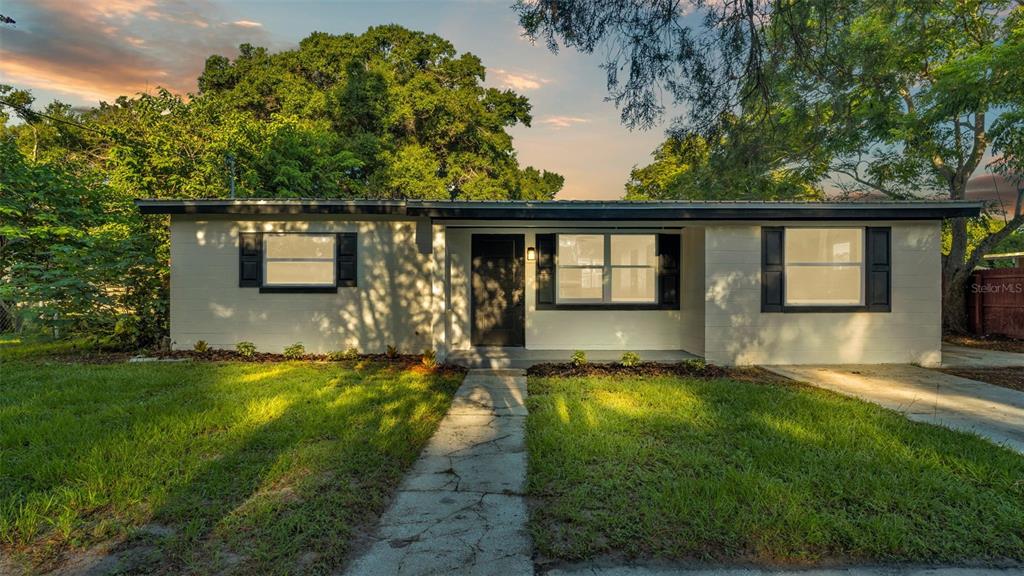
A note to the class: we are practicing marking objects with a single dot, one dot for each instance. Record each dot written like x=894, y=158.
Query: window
x=299, y=260
x=607, y=268
x=824, y=266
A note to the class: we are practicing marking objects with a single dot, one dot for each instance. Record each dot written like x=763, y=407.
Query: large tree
x=900, y=98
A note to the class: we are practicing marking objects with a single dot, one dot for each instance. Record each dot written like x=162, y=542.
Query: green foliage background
x=390, y=113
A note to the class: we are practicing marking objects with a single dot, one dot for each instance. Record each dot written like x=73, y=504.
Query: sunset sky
x=82, y=52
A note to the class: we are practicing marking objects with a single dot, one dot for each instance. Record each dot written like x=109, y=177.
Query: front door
x=499, y=290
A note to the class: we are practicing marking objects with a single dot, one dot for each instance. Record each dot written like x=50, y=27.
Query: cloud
x=102, y=50
x=247, y=24
x=560, y=122
x=518, y=81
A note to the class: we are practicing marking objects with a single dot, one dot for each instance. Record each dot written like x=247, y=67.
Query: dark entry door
x=499, y=290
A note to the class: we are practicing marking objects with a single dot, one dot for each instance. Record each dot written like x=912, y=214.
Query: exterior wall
x=693, y=304
x=569, y=329
x=736, y=331
x=391, y=304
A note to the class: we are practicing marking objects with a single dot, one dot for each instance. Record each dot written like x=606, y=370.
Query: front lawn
x=204, y=467
x=727, y=471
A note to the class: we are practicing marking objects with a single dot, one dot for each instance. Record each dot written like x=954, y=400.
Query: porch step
x=521, y=358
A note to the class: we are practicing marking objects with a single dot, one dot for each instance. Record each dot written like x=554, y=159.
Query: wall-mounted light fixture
x=531, y=254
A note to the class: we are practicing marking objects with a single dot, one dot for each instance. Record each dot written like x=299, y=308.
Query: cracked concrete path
x=461, y=508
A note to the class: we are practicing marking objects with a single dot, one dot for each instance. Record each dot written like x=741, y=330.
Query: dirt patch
x=693, y=368
x=998, y=343
x=1006, y=377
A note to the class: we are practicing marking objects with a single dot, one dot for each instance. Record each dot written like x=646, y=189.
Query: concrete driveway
x=926, y=395
x=963, y=357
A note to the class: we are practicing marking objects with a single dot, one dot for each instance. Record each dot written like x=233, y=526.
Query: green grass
x=15, y=348
x=728, y=471
x=227, y=467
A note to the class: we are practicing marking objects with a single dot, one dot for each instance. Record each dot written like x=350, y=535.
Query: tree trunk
x=954, y=302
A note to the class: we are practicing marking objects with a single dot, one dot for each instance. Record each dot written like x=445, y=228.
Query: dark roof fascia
x=575, y=210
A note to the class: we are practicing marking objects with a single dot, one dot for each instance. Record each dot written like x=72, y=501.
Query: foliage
x=295, y=351
x=888, y=99
x=245, y=348
x=76, y=258
x=346, y=355
x=249, y=467
x=695, y=365
x=727, y=471
x=391, y=352
x=688, y=167
x=390, y=113
x=429, y=358
x=578, y=358
x=630, y=359
x=201, y=346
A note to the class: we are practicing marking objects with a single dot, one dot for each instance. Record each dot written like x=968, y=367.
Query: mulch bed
x=998, y=343
x=1006, y=377
x=566, y=369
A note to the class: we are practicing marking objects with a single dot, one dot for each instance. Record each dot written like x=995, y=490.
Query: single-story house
x=733, y=282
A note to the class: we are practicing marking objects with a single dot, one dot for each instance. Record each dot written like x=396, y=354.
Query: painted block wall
x=736, y=332
x=389, y=306
x=567, y=329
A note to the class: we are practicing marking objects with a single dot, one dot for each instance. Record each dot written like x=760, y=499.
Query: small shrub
x=344, y=355
x=429, y=358
x=630, y=359
x=200, y=346
x=695, y=365
x=246, y=349
x=578, y=358
x=295, y=351
x=392, y=352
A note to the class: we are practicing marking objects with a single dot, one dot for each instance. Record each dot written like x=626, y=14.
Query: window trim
x=606, y=302
x=331, y=288
x=866, y=257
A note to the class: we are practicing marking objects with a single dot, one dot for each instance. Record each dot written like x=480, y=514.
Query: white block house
x=733, y=282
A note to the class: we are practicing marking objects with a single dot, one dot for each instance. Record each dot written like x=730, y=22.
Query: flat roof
x=575, y=209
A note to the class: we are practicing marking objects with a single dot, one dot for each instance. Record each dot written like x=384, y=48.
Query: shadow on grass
x=234, y=468
x=736, y=472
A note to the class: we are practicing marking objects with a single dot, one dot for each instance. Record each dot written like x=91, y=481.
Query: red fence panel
x=995, y=302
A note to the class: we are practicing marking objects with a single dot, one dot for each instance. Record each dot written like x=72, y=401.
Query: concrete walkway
x=855, y=571
x=963, y=357
x=926, y=395
x=461, y=510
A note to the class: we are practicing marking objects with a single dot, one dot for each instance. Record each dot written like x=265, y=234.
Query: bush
x=295, y=351
x=247, y=349
x=392, y=352
x=201, y=346
x=429, y=358
x=344, y=355
x=578, y=358
x=630, y=359
x=695, y=365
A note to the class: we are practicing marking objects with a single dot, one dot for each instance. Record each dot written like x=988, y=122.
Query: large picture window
x=824, y=266
x=299, y=260
x=607, y=268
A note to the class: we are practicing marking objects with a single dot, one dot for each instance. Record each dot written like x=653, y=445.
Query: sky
x=81, y=52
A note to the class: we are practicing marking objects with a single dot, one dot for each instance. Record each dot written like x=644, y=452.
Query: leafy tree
x=898, y=98
x=73, y=260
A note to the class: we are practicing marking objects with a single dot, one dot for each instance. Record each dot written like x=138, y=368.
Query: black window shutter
x=545, y=268
x=878, y=269
x=773, y=265
x=668, y=270
x=250, y=259
x=346, y=247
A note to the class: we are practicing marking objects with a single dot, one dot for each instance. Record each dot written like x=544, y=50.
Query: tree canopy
x=390, y=113
x=891, y=98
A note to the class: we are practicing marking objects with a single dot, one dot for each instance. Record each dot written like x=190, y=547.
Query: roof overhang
x=573, y=210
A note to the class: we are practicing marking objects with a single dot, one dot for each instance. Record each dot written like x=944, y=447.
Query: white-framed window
x=824, y=266
x=607, y=268
x=298, y=259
